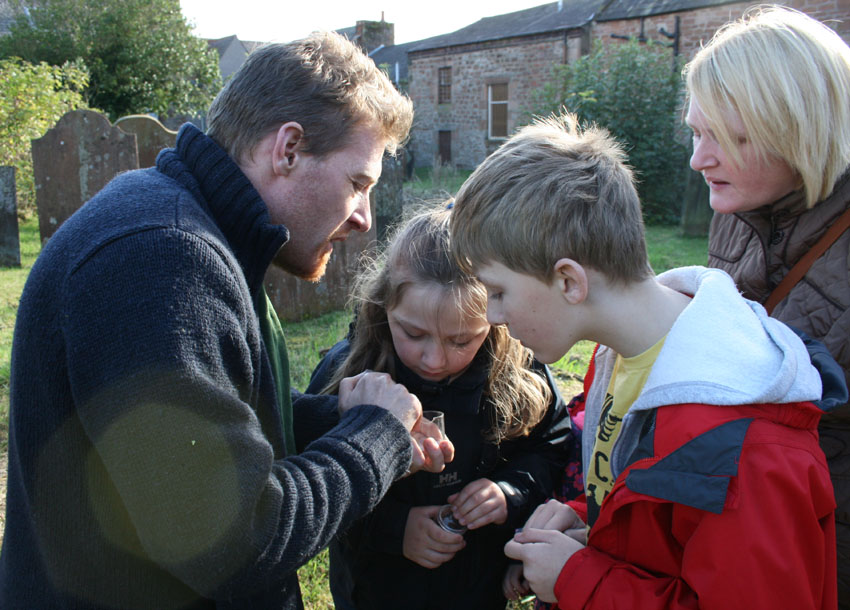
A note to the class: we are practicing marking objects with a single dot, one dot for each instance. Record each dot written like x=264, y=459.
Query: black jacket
x=525, y=469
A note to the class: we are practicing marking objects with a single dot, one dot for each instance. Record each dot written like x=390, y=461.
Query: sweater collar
x=200, y=165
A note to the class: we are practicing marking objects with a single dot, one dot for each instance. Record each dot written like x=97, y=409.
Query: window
x=444, y=89
x=445, y=142
x=497, y=103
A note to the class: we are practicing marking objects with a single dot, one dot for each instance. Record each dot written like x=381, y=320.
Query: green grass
x=306, y=339
x=441, y=182
x=12, y=281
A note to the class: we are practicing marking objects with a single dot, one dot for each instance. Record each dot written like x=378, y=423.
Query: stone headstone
x=387, y=196
x=10, y=244
x=73, y=161
x=696, y=211
x=151, y=136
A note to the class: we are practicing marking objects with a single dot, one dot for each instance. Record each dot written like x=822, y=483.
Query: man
x=155, y=457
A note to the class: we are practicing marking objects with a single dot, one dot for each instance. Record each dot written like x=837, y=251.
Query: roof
x=632, y=9
x=396, y=54
x=222, y=44
x=535, y=20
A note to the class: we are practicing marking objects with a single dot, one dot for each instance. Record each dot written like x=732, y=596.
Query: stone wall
x=698, y=26
x=524, y=65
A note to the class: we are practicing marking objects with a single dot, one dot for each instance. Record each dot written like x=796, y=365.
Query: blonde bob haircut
x=419, y=253
x=323, y=82
x=553, y=191
x=788, y=77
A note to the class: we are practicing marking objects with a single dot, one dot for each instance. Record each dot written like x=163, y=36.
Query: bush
x=33, y=97
x=635, y=91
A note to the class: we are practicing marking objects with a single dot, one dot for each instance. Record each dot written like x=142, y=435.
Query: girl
x=423, y=321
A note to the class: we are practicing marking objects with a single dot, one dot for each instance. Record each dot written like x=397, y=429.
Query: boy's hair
x=788, y=77
x=552, y=191
x=324, y=82
x=419, y=253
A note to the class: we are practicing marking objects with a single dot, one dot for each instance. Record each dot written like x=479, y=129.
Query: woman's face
x=736, y=188
x=431, y=336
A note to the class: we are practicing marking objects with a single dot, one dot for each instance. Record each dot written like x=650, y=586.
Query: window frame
x=491, y=104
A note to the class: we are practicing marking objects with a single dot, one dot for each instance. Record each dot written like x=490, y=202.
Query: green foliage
x=141, y=54
x=635, y=91
x=32, y=99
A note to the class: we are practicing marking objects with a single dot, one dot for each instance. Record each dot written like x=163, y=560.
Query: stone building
x=472, y=88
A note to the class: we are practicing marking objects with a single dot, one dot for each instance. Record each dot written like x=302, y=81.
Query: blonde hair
x=553, y=191
x=419, y=253
x=788, y=77
x=324, y=82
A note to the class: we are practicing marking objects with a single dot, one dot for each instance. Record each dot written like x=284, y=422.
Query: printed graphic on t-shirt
x=600, y=479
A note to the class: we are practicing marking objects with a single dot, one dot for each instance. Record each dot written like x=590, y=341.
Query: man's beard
x=311, y=273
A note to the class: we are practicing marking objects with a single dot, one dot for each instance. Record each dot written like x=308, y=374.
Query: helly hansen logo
x=447, y=478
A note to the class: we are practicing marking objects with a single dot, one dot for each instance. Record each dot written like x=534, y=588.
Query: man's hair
x=552, y=191
x=323, y=82
x=788, y=77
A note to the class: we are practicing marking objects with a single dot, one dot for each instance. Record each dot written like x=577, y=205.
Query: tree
x=32, y=99
x=632, y=90
x=140, y=54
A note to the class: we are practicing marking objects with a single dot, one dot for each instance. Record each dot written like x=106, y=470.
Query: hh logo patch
x=446, y=479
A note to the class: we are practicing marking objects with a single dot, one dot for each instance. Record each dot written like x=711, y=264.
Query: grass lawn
x=667, y=249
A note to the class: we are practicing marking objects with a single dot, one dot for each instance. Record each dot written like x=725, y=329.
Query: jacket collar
x=200, y=165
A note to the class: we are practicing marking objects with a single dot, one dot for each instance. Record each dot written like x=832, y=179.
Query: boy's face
x=533, y=311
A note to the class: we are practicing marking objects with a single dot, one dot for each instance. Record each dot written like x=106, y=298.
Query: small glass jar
x=446, y=520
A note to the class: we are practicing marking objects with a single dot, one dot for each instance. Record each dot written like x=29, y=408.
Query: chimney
x=373, y=34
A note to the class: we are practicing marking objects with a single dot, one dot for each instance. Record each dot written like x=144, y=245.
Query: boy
x=705, y=485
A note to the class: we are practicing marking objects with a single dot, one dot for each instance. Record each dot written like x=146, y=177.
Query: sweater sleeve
x=163, y=353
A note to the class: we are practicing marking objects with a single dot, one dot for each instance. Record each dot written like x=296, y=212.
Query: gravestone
x=10, y=245
x=696, y=211
x=387, y=196
x=73, y=161
x=151, y=136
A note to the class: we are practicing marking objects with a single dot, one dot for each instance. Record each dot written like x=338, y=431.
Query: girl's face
x=756, y=182
x=431, y=336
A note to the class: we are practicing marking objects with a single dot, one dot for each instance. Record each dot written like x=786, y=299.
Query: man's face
x=323, y=200
x=533, y=311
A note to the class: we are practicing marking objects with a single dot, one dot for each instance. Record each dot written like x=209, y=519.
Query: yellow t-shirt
x=626, y=383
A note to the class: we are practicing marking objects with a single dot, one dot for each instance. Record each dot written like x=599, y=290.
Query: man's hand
x=480, y=503
x=425, y=542
x=369, y=388
x=431, y=450
x=543, y=554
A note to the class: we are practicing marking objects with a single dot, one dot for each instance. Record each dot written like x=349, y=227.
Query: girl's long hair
x=419, y=253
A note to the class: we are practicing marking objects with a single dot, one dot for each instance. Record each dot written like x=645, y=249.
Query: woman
x=769, y=106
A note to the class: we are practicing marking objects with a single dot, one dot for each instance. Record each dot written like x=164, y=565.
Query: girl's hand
x=514, y=585
x=479, y=503
x=425, y=542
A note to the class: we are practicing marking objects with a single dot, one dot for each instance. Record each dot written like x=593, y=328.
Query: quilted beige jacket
x=757, y=249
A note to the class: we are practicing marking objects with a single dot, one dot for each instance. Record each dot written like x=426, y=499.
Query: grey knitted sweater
x=147, y=466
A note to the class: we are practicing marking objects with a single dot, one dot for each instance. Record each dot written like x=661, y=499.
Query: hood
x=726, y=350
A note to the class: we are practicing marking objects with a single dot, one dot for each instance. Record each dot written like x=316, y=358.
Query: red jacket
x=721, y=507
